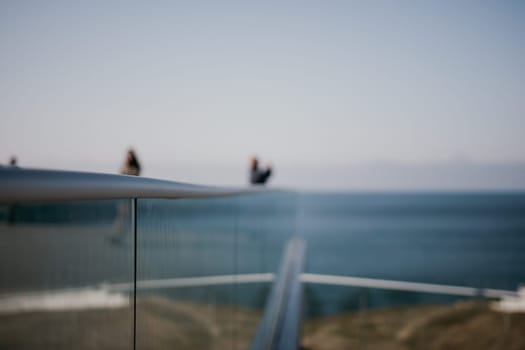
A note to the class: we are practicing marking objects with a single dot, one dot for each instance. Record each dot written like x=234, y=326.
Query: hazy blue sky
x=337, y=94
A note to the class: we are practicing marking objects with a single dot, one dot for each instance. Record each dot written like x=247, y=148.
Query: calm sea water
x=461, y=239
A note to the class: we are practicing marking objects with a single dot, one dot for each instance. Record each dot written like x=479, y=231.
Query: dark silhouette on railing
x=259, y=176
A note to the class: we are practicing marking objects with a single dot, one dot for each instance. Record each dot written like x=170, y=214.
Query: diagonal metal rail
x=279, y=328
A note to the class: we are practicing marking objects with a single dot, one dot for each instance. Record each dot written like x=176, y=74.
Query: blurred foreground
x=464, y=325
x=164, y=324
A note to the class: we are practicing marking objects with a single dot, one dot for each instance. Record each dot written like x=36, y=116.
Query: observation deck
x=119, y=262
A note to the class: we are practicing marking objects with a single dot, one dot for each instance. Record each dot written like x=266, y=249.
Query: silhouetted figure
x=131, y=166
x=123, y=224
x=11, y=209
x=259, y=176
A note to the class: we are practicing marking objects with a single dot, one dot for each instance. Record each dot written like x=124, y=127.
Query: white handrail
x=404, y=286
x=31, y=185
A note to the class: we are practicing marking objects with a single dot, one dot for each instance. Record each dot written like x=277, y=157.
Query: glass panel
x=475, y=240
x=265, y=224
x=193, y=258
x=66, y=272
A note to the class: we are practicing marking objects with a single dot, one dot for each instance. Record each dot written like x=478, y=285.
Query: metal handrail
x=349, y=281
x=279, y=327
x=19, y=185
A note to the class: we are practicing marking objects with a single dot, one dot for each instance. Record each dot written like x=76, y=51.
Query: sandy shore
x=464, y=325
x=167, y=324
x=161, y=324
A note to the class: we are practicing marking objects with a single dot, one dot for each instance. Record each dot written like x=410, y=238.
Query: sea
x=462, y=239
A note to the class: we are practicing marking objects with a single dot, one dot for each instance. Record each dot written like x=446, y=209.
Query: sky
x=336, y=95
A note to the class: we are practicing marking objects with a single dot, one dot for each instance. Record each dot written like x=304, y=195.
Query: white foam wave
x=511, y=304
x=73, y=299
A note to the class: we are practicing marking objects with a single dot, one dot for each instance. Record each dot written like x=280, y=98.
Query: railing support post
x=134, y=233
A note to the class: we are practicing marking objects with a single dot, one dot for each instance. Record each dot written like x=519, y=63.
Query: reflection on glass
x=66, y=272
x=193, y=259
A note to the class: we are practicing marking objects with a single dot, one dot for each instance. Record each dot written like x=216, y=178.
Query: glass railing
x=204, y=267
x=186, y=273
x=59, y=264
x=178, y=266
